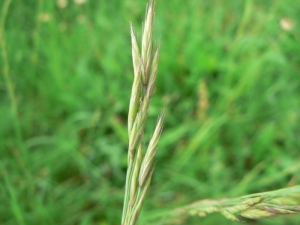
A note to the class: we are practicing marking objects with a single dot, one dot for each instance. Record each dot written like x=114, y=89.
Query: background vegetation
x=228, y=79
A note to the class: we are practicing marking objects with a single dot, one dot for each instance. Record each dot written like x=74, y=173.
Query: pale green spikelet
x=137, y=82
x=147, y=43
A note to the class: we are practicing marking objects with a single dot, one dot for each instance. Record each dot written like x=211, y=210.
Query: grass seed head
x=140, y=168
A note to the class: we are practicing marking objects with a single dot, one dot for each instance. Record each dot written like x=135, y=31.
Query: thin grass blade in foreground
x=141, y=165
x=254, y=206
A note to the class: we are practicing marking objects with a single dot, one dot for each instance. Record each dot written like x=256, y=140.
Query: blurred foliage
x=228, y=79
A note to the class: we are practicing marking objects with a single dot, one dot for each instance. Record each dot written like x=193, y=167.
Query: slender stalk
x=6, y=74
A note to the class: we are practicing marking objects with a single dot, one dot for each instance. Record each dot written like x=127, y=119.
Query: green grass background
x=63, y=134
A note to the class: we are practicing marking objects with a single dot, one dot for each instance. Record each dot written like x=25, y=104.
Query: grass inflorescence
x=140, y=164
x=254, y=206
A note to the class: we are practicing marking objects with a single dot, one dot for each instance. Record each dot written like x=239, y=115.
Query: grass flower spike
x=140, y=164
x=254, y=206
